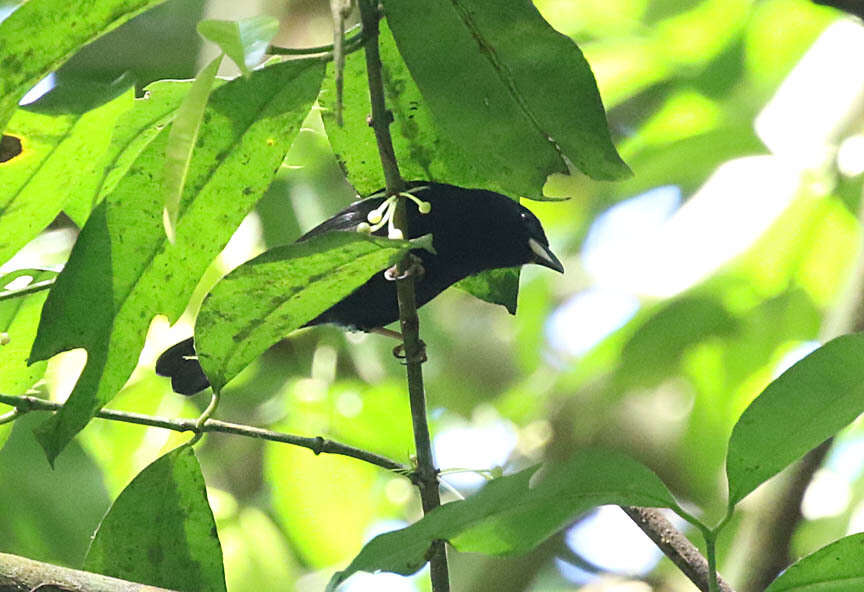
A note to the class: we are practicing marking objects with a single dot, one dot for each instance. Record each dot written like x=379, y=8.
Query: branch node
x=318, y=447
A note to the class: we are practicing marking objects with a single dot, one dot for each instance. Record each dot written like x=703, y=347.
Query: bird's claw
x=414, y=269
x=402, y=356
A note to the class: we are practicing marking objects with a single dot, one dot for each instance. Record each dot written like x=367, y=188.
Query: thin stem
x=711, y=553
x=353, y=43
x=29, y=289
x=426, y=476
x=9, y=417
x=318, y=445
x=676, y=546
x=202, y=419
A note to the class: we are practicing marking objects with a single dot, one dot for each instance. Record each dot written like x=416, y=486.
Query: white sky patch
x=610, y=540
x=850, y=156
x=828, y=494
x=794, y=356
x=737, y=203
x=587, y=318
x=623, y=230
x=819, y=98
x=483, y=445
x=42, y=87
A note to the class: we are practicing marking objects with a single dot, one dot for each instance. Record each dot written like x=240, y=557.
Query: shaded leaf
x=160, y=530
x=508, y=516
x=498, y=286
x=122, y=271
x=62, y=141
x=803, y=407
x=292, y=284
x=525, y=109
x=838, y=567
x=181, y=141
x=42, y=34
x=244, y=41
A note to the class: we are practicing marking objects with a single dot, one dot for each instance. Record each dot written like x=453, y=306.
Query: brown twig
x=19, y=574
x=674, y=545
x=426, y=475
x=318, y=445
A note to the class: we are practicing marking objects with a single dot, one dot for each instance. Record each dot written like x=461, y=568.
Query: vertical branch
x=426, y=476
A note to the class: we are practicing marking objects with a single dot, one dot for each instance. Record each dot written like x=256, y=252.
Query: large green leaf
x=292, y=285
x=799, y=410
x=160, y=530
x=42, y=34
x=527, y=100
x=509, y=516
x=62, y=141
x=122, y=271
x=423, y=153
x=133, y=132
x=838, y=567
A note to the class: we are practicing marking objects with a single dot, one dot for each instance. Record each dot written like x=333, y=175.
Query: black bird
x=472, y=230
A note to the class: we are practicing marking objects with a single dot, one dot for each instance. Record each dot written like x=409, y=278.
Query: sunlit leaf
x=292, y=284
x=42, y=34
x=160, y=530
x=63, y=138
x=244, y=41
x=525, y=109
x=19, y=318
x=133, y=132
x=122, y=271
x=806, y=405
x=838, y=567
x=508, y=516
x=181, y=141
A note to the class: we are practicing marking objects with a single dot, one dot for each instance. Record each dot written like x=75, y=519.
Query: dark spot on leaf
x=247, y=190
x=154, y=554
x=10, y=147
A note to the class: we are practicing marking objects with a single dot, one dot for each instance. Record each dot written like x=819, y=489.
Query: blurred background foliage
x=688, y=287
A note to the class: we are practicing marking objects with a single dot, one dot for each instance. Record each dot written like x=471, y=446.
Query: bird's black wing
x=347, y=219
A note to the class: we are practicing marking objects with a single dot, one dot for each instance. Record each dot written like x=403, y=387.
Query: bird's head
x=481, y=229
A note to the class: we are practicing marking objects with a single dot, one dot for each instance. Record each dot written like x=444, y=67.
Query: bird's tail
x=180, y=363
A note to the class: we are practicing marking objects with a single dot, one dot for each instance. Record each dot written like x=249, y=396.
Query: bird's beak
x=545, y=257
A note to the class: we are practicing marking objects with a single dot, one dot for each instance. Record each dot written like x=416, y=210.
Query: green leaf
x=838, y=567
x=528, y=102
x=181, y=141
x=802, y=408
x=42, y=34
x=424, y=154
x=19, y=318
x=62, y=143
x=122, y=271
x=133, y=132
x=292, y=285
x=498, y=286
x=508, y=516
x=244, y=41
x=160, y=530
